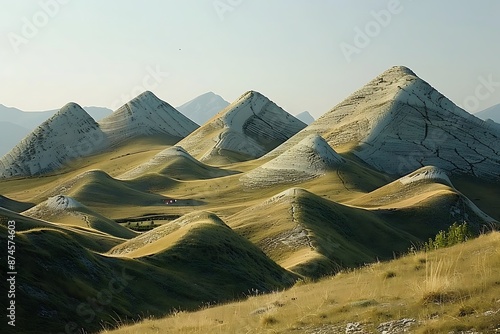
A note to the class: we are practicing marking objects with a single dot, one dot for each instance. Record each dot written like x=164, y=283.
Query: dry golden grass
x=450, y=289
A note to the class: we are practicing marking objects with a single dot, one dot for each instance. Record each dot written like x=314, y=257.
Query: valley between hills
x=255, y=222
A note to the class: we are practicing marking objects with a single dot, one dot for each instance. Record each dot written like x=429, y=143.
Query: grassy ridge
x=61, y=282
x=447, y=290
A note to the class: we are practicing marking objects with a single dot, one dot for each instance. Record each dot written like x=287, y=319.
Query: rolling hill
x=450, y=290
x=54, y=289
x=311, y=235
x=67, y=211
x=175, y=162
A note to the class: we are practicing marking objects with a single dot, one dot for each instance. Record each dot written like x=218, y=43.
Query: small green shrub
x=457, y=233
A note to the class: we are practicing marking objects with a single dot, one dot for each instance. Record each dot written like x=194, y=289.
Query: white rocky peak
x=312, y=155
x=398, y=123
x=251, y=126
x=146, y=114
x=69, y=134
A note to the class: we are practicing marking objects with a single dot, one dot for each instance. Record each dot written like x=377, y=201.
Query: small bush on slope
x=457, y=233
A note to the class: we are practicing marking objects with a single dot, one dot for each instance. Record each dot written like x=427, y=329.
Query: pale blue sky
x=97, y=52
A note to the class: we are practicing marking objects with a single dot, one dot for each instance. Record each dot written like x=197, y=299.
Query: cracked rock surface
x=398, y=123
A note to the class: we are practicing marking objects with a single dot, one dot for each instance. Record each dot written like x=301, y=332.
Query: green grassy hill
x=64, y=283
x=450, y=290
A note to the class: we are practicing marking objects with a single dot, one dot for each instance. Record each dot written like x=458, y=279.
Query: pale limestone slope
x=71, y=133
x=249, y=128
x=146, y=115
x=398, y=123
x=310, y=158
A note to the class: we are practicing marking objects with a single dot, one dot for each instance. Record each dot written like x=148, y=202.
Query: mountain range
x=16, y=124
x=163, y=214
x=72, y=134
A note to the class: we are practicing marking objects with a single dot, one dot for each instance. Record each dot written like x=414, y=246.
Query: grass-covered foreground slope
x=450, y=290
x=63, y=283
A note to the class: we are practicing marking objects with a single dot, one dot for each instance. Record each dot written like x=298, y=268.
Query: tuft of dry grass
x=268, y=320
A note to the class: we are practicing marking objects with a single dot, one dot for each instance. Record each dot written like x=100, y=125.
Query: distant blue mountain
x=305, y=117
x=492, y=113
x=203, y=107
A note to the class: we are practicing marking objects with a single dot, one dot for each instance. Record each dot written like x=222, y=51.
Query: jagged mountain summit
x=397, y=123
x=146, y=114
x=248, y=128
x=71, y=133
x=305, y=117
x=203, y=107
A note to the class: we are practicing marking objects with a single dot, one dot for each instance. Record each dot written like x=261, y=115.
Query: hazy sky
x=303, y=55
